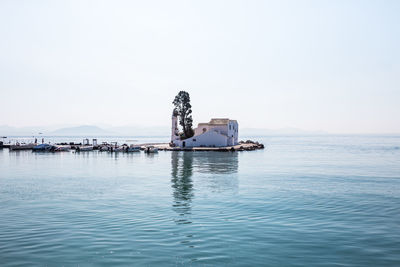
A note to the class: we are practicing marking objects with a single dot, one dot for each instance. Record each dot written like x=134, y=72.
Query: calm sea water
x=303, y=201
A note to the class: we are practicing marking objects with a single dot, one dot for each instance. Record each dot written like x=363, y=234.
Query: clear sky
x=315, y=65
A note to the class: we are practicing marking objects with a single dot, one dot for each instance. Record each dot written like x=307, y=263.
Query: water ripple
x=303, y=202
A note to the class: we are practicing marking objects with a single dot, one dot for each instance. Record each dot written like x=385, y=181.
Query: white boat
x=84, y=148
x=151, y=149
x=133, y=149
x=119, y=149
x=62, y=148
x=104, y=148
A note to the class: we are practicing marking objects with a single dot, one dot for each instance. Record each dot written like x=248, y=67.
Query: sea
x=329, y=200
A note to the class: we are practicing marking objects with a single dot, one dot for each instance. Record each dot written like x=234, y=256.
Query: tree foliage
x=183, y=109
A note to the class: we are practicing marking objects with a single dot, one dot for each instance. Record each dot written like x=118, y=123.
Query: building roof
x=219, y=121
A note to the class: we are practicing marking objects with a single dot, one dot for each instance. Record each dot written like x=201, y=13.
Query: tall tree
x=184, y=111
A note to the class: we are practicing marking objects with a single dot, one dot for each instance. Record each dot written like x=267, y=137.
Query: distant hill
x=81, y=130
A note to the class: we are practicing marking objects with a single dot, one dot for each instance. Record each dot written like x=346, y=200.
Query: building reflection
x=216, y=162
x=219, y=171
x=218, y=168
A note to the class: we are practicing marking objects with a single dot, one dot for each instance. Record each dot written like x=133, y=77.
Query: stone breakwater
x=242, y=146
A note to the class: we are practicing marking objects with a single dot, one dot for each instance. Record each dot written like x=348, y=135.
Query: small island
x=219, y=134
x=248, y=145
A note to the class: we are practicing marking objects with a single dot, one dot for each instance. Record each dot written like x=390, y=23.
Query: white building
x=216, y=133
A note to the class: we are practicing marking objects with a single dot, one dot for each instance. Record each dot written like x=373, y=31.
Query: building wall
x=233, y=131
x=207, y=139
x=210, y=138
x=236, y=134
x=220, y=128
x=200, y=127
x=215, y=135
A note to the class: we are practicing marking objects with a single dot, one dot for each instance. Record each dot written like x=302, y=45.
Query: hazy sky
x=315, y=65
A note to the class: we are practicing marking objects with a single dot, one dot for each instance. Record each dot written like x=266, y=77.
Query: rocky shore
x=242, y=146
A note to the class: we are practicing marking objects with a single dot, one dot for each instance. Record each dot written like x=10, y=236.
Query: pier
x=113, y=147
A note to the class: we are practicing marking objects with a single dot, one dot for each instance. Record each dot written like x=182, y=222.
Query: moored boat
x=84, y=148
x=60, y=148
x=43, y=147
x=119, y=149
x=22, y=146
x=104, y=148
x=133, y=148
x=151, y=149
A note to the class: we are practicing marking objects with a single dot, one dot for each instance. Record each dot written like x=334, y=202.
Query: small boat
x=60, y=148
x=119, y=149
x=22, y=146
x=84, y=148
x=43, y=147
x=104, y=148
x=133, y=149
x=151, y=149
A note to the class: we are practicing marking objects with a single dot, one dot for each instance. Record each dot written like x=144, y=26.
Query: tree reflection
x=182, y=184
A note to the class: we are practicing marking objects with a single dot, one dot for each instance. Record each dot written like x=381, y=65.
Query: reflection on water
x=216, y=162
x=217, y=166
x=307, y=196
x=218, y=171
x=182, y=184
